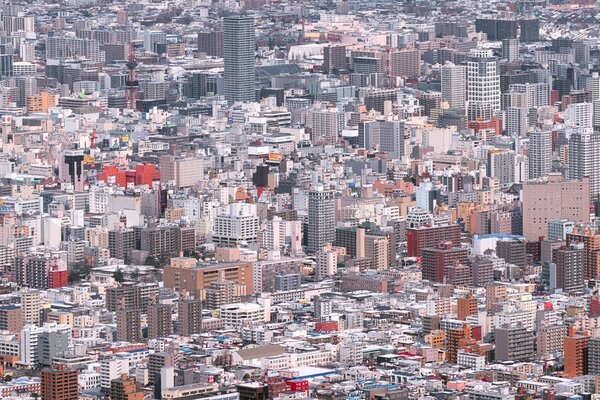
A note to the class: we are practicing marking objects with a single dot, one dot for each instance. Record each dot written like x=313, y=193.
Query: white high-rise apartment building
x=483, y=85
x=540, y=154
x=237, y=222
x=112, y=368
x=579, y=115
x=584, y=148
x=454, y=85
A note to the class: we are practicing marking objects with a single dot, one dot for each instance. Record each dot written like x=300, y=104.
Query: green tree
x=118, y=276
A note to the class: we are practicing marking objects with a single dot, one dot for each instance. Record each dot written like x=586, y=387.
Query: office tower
x=483, y=85
x=516, y=121
x=386, y=136
x=530, y=29
x=430, y=237
x=211, y=43
x=584, y=147
x=6, y=65
x=334, y=58
x=540, y=154
x=558, y=229
x=71, y=169
x=513, y=343
x=321, y=219
x=437, y=259
x=576, y=354
x=183, y=275
x=60, y=383
x=566, y=269
x=553, y=199
x=325, y=126
x=190, y=317
x=466, y=307
x=160, y=322
x=31, y=305
x=195, y=86
x=510, y=49
x=129, y=325
x=238, y=54
x=27, y=86
x=235, y=223
x=501, y=165
x=454, y=85
x=513, y=251
x=125, y=388
x=182, y=172
x=50, y=345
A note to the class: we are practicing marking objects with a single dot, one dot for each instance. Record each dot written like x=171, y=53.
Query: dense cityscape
x=288, y=199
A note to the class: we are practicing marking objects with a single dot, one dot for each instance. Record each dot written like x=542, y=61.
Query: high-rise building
x=591, y=249
x=325, y=126
x=501, y=165
x=129, y=325
x=483, y=85
x=160, y=323
x=31, y=305
x=51, y=344
x=516, y=121
x=454, y=85
x=71, y=169
x=238, y=53
x=125, y=388
x=11, y=318
x=386, y=136
x=594, y=356
x=222, y=292
x=321, y=219
x=211, y=43
x=182, y=172
x=513, y=251
x=584, y=147
x=437, y=259
x=334, y=58
x=513, y=343
x=540, y=154
x=566, y=270
x=576, y=354
x=190, y=317
x=510, y=49
x=466, y=307
x=424, y=237
x=60, y=383
x=552, y=199
x=235, y=223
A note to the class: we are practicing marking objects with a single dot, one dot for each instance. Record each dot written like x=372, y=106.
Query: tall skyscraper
x=540, y=154
x=483, y=84
x=31, y=305
x=129, y=325
x=321, y=219
x=238, y=53
x=584, y=147
x=60, y=383
x=510, y=49
x=454, y=85
x=159, y=321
